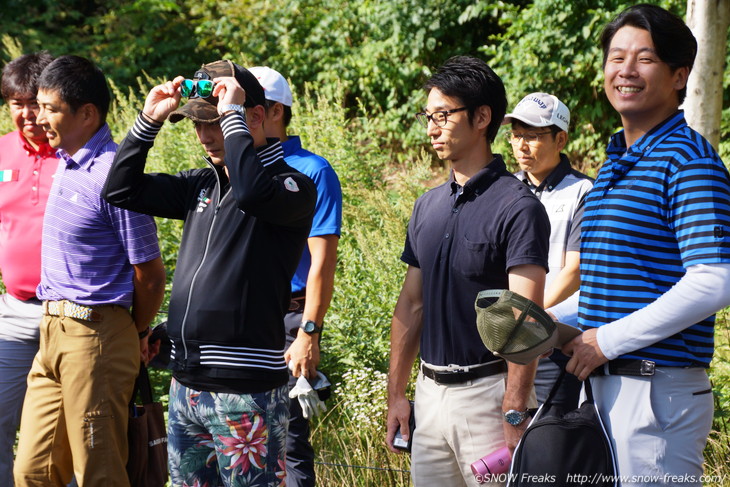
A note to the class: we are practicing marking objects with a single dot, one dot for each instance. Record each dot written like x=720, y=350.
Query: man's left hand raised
x=228, y=91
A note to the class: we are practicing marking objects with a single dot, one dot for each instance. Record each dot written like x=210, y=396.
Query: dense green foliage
x=357, y=69
x=377, y=54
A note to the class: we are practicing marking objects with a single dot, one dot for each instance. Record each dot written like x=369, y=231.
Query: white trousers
x=659, y=424
x=19, y=323
x=455, y=426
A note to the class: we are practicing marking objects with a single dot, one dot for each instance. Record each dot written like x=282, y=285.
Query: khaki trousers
x=75, y=413
x=456, y=425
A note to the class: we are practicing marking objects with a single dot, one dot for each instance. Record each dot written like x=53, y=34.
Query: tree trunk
x=708, y=20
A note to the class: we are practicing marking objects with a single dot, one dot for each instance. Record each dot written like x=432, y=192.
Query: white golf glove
x=307, y=396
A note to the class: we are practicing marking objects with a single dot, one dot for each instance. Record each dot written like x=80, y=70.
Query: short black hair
x=475, y=84
x=78, y=81
x=673, y=40
x=20, y=76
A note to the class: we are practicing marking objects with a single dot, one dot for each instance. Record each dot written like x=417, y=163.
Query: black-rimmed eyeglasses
x=439, y=118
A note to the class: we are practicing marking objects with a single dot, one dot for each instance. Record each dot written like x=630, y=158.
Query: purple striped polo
x=89, y=246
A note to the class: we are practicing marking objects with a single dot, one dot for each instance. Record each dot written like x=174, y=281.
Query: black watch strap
x=310, y=327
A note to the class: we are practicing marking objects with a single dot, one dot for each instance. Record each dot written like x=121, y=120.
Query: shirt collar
x=622, y=159
x=267, y=153
x=85, y=156
x=291, y=145
x=44, y=149
x=553, y=179
x=478, y=183
x=648, y=141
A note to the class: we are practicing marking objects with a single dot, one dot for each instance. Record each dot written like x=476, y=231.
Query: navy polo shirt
x=464, y=240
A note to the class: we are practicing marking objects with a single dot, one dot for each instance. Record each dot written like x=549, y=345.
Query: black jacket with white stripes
x=241, y=243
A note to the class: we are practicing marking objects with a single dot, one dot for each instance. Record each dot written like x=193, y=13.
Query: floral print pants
x=231, y=440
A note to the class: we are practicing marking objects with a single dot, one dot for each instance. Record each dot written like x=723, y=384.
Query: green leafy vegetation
x=357, y=69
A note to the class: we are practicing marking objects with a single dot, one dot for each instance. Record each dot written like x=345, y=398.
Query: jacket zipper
x=202, y=261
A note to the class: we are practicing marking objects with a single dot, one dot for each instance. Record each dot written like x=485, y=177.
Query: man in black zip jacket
x=247, y=217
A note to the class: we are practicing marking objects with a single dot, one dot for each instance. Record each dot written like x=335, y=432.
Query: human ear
x=483, y=116
x=561, y=139
x=680, y=78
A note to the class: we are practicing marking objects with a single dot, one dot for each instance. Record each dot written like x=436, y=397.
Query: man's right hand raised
x=163, y=100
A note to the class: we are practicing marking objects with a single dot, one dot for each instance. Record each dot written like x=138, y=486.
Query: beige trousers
x=75, y=414
x=455, y=426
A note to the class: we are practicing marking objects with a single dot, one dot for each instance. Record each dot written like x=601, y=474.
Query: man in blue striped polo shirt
x=655, y=257
x=97, y=262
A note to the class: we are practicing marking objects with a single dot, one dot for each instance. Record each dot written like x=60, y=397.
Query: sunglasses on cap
x=196, y=88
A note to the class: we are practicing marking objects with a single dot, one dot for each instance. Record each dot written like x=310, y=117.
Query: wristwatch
x=310, y=327
x=514, y=417
x=235, y=108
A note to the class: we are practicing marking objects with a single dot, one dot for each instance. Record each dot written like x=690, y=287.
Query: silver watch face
x=514, y=417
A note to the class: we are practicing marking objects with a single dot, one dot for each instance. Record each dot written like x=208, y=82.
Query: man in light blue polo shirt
x=655, y=257
x=97, y=262
x=539, y=134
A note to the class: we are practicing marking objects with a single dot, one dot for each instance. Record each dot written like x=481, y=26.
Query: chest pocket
x=474, y=259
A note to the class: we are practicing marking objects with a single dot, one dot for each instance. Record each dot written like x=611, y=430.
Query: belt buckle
x=53, y=308
x=456, y=369
x=647, y=367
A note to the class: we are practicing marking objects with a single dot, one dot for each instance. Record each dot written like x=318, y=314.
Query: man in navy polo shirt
x=655, y=257
x=540, y=123
x=482, y=229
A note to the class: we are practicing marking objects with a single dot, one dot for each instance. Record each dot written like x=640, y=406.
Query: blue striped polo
x=89, y=246
x=656, y=208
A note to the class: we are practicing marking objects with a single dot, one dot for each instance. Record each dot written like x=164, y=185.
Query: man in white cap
x=313, y=282
x=539, y=133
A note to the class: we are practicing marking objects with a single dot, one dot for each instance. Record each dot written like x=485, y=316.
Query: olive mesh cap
x=517, y=329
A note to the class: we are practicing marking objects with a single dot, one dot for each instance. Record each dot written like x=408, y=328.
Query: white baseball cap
x=275, y=86
x=538, y=110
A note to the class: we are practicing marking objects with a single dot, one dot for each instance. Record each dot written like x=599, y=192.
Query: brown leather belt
x=296, y=304
x=459, y=376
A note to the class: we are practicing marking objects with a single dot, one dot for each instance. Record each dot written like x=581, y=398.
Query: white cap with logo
x=274, y=84
x=537, y=110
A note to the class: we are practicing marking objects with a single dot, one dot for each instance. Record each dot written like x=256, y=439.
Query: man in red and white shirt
x=27, y=165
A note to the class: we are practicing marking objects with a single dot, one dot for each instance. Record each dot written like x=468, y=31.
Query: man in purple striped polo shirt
x=97, y=262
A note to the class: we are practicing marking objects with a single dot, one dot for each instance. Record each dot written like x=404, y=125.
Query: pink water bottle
x=495, y=463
